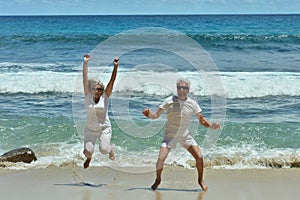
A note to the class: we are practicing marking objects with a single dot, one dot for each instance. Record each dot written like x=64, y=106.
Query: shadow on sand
x=83, y=184
x=168, y=189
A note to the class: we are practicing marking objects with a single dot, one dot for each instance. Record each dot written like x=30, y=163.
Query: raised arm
x=153, y=115
x=206, y=123
x=86, y=58
x=110, y=85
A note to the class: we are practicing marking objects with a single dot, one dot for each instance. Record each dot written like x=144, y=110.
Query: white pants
x=104, y=137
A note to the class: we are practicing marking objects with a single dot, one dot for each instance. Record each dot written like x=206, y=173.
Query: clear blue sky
x=103, y=7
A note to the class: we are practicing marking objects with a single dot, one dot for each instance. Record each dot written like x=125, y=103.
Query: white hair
x=93, y=82
x=183, y=80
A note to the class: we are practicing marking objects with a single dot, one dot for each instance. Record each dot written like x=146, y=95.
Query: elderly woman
x=97, y=124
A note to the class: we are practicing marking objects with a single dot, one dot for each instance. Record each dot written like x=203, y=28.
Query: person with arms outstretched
x=180, y=108
x=97, y=125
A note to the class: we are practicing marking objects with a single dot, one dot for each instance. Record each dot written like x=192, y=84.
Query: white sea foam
x=36, y=82
x=234, y=84
x=218, y=158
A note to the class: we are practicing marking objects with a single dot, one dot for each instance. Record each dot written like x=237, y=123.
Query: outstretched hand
x=116, y=61
x=146, y=112
x=87, y=57
x=215, y=126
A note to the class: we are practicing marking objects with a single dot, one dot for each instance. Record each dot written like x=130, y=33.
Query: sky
x=124, y=7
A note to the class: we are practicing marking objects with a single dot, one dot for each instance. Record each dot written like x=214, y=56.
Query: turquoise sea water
x=258, y=62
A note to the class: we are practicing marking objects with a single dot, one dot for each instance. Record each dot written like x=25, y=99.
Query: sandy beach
x=69, y=182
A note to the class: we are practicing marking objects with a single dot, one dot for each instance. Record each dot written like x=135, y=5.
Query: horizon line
x=148, y=14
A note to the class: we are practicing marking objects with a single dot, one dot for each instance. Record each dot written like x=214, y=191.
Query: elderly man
x=179, y=111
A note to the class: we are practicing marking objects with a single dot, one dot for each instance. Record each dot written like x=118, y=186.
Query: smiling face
x=183, y=88
x=98, y=90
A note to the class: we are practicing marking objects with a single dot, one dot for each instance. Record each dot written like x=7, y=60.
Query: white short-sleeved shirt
x=97, y=113
x=179, y=115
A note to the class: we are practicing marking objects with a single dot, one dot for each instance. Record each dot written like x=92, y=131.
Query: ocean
x=244, y=72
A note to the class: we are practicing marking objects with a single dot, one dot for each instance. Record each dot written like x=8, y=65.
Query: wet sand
x=74, y=183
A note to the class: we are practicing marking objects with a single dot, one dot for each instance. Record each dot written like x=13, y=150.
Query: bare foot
x=111, y=155
x=155, y=184
x=86, y=164
x=203, y=185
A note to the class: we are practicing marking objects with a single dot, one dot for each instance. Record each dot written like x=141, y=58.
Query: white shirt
x=179, y=115
x=97, y=113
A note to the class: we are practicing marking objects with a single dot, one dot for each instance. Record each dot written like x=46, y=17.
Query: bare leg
x=86, y=164
x=196, y=153
x=112, y=154
x=163, y=153
x=157, y=180
x=88, y=156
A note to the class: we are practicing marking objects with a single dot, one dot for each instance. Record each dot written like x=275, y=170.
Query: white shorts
x=185, y=142
x=104, y=137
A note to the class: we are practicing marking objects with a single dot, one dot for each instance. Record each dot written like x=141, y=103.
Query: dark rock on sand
x=19, y=155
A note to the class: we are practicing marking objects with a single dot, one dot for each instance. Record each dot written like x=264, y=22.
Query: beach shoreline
x=71, y=182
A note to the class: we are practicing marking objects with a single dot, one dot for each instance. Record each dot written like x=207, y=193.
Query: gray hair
x=93, y=82
x=183, y=80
